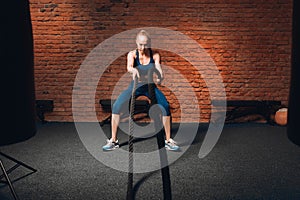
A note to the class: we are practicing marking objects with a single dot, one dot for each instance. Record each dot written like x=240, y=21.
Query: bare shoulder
x=156, y=55
x=131, y=54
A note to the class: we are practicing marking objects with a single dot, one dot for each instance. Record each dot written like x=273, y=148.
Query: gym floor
x=250, y=161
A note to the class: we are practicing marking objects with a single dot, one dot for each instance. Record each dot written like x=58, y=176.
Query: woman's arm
x=156, y=58
x=130, y=62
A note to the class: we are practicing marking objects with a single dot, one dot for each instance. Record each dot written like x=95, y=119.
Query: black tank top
x=143, y=69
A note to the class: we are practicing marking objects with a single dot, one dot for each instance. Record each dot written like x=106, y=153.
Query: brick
x=248, y=41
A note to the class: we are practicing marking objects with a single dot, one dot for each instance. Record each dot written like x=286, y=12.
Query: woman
x=139, y=62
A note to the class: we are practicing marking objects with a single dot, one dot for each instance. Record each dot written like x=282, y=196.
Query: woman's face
x=142, y=43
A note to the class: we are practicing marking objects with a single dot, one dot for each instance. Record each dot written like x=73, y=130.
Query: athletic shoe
x=111, y=145
x=171, y=145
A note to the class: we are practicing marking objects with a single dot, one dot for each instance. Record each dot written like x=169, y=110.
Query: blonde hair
x=144, y=33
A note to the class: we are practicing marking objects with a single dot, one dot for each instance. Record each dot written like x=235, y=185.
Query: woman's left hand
x=159, y=80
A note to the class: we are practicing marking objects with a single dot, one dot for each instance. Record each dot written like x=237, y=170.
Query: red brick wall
x=249, y=41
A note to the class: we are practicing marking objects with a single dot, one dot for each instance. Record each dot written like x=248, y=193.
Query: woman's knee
x=166, y=110
x=164, y=104
x=116, y=108
x=118, y=105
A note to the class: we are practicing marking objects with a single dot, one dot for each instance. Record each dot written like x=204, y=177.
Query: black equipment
x=19, y=92
x=294, y=96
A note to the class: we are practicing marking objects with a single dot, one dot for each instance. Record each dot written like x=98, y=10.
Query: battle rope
x=159, y=136
x=130, y=142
